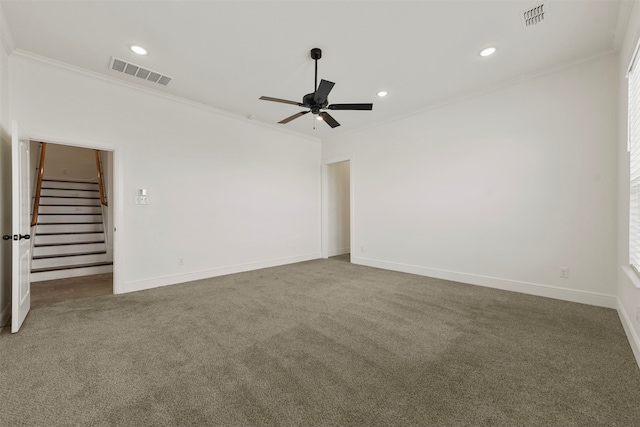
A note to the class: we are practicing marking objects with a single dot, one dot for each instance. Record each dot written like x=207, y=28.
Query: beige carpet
x=50, y=292
x=319, y=343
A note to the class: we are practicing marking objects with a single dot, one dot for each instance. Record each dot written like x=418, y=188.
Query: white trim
x=634, y=56
x=139, y=285
x=324, y=211
x=633, y=277
x=352, y=202
x=632, y=336
x=337, y=159
x=538, y=289
x=117, y=169
x=80, y=143
x=324, y=239
x=63, y=65
x=633, y=59
x=5, y=314
x=118, y=183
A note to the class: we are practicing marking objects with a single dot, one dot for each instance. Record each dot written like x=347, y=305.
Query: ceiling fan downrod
x=316, y=53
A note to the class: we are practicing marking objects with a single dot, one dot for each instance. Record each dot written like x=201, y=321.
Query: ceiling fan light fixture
x=319, y=117
x=488, y=51
x=138, y=49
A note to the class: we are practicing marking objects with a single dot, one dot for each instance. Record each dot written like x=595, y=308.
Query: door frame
x=118, y=182
x=325, y=202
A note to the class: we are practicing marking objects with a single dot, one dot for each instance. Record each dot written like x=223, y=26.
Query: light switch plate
x=142, y=200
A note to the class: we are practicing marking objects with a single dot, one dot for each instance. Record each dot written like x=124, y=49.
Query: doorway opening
x=337, y=212
x=72, y=223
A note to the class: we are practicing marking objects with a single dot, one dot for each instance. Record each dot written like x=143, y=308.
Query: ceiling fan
x=317, y=100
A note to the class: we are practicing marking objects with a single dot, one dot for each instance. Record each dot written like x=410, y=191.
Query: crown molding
x=475, y=93
x=72, y=68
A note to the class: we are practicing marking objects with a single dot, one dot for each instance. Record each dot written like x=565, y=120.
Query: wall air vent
x=534, y=16
x=138, y=71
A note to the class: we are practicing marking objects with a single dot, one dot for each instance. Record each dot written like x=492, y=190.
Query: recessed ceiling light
x=139, y=50
x=382, y=93
x=488, y=51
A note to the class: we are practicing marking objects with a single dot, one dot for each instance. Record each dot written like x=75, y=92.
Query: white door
x=21, y=246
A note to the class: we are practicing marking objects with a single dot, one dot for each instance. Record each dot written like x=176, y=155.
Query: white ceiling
x=226, y=54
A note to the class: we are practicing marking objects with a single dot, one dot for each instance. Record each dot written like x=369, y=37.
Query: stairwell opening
x=72, y=227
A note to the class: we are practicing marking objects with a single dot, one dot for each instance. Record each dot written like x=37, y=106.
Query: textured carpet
x=319, y=343
x=50, y=292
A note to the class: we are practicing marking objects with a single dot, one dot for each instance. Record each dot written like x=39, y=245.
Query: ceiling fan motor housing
x=309, y=101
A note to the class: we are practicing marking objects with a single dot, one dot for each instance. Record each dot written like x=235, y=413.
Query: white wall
x=5, y=176
x=67, y=163
x=339, y=217
x=499, y=189
x=225, y=194
x=628, y=289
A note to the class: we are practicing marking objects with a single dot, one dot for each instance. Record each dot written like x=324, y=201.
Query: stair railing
x=36, y=204
x=103, y=198
x=104, y=204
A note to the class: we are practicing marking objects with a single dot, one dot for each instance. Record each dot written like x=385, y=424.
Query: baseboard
x=4, y=315
x=632, y=336
x=156, y=282
x=565, y=294
x=340, y=251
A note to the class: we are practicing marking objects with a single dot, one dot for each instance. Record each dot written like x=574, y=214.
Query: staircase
x=69, y=238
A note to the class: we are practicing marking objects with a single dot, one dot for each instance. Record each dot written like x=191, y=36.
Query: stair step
x=64, y=201
x=69, y=210
x=74, y=185
x=69, y=267
x=68, y=228
x=76, y=271
x=39, y=263
x=65, y=238
x=70, y=256
x=68, y=219
x=70, y=193
x=68, y=248
x=67, y=244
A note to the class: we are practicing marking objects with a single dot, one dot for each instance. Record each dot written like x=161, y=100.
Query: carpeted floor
x=50, y=292
x=324, y=343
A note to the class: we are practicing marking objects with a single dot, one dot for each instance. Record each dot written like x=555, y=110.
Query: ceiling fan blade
x=295, y=116
x=284, y=101
x=322, y=93
x=330, y=120
x=350, y=107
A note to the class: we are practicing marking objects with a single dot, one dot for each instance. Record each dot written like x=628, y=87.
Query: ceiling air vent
x=534, y=16
x=138, y=71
